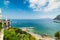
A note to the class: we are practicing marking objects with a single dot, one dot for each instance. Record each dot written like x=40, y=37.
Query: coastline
x=37, y=36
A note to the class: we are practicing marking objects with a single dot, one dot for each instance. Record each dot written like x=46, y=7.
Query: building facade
x=5, y=22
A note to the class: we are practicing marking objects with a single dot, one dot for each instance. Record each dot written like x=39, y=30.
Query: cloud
x=0, y=10
x=44, y=5
x=47, y=16
x=6, y=2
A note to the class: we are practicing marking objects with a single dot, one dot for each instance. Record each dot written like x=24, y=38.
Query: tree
x=57, y=35
x=17, y=34
x=32, y=38
x=0, y=26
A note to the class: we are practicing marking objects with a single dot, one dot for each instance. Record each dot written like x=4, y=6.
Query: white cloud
x=38, y=5
x=47, y=16
x=0, y=10
x=6, y=2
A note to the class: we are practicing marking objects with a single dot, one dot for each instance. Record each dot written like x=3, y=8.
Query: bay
x=40, y=26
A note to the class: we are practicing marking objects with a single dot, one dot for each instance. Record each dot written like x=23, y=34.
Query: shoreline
x=37, y=36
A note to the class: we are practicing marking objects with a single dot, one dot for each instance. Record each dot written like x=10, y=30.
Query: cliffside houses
x=6, y=24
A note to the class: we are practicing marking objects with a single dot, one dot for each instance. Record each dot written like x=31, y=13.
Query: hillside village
x=4, y=24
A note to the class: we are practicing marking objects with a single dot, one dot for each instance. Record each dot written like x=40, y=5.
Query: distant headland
x=57, y=19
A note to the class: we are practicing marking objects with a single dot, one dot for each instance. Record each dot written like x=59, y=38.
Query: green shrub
x=57, y=35
x=17, y=34
x=0, y=26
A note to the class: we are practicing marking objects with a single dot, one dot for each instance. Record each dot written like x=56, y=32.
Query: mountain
x=57, y=18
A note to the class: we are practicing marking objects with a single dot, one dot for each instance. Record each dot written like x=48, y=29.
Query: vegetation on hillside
x=0, y=26
x=57, y=35
x=17, y=34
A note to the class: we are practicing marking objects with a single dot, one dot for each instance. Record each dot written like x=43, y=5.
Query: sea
x=39, y=26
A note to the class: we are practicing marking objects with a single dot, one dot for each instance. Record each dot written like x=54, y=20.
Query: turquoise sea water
x=40, y=26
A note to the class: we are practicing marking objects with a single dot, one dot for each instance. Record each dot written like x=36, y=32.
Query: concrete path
x=1, y=34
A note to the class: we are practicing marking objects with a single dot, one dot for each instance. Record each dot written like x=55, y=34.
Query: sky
x=30, y=9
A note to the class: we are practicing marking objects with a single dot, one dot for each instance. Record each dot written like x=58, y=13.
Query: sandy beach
x=37, y=36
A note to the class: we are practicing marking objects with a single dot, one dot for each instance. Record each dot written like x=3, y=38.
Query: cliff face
x=57, y=18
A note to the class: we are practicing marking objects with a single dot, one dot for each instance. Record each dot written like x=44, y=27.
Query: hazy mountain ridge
x=57, y=18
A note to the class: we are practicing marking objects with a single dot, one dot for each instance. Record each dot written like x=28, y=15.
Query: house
x=5, y=22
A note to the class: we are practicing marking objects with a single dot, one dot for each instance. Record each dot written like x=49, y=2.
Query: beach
x=37, y=36
x=40, y=26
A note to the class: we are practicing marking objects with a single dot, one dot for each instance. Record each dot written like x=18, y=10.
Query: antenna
x=0, y=10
